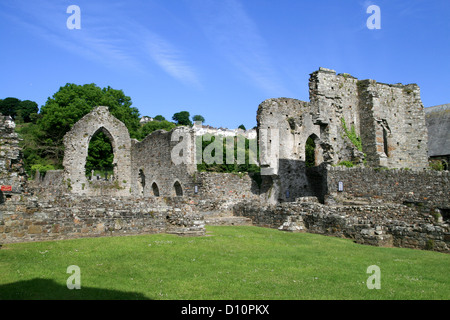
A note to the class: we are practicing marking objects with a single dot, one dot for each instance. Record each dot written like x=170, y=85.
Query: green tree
x=182, y=118
x=26, y=108
x=159, y=118
x=68, y=105
x=310, y=148
x=207, y=139
x=20, y=110
x=198, y=117
x=72, y=102
x=9, y=106
x=149, y=127
x=100, y=154
x=242, y=127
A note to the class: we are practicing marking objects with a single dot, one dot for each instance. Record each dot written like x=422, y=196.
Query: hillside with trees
x=42, y=131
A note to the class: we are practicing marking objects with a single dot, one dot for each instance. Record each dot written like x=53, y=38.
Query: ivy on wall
x=352, y=135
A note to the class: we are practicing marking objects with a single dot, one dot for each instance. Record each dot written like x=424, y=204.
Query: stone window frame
x=157, y=189
x=76, y=144
x=178, y=191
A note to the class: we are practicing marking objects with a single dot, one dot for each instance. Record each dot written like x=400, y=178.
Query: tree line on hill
x=42, y=131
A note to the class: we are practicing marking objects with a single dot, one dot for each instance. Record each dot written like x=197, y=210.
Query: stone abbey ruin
x=388, y=198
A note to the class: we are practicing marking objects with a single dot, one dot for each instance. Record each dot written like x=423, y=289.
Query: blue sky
x=219, y=58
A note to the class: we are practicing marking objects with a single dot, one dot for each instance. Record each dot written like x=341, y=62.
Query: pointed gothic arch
x=76, y=143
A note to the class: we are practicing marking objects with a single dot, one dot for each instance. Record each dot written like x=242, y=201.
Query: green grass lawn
x=232, y=263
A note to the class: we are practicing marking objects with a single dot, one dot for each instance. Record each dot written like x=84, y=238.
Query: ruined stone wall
x=73, y=216
x=380, y=225
x=359, y=121
x=395, y=134
x=389, y=118
x=335, y=98
x=229, y=186
x=12, y=171
x=76, y=144
x=161, y=160
x=423, y=188
x=284, y=125
x=56, y=213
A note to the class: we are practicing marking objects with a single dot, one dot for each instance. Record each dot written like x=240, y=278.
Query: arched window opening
x=142, y=180
x=310, y=153
x=385, y=142
x=178, y=189
x=100, y=158
x=155, y=189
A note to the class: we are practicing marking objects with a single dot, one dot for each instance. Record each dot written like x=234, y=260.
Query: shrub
x=41, y=168
x=351, y=135
x=437, y=165
x=347, y=164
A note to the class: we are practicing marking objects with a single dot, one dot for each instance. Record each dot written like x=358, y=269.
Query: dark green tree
x=26, y=109
x=100, y=154
x=198, y=117
x=207, y=139
x=242, y=127
x=9, y=106
x=310, y=148
x=159, y=118
x=151, y=126
x=63, y=110
x=182, y=118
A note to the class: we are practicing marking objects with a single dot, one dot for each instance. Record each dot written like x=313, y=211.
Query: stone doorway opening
x=313, y=152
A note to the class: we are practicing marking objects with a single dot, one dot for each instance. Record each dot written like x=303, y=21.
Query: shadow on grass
x=45, y=289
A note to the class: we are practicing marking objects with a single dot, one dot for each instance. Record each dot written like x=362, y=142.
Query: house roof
x=438, y=124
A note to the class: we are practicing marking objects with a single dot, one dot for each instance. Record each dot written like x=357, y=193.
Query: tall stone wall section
x=12, y=173
x=389, y=118
x=395, y=134
x=284, y=125
x=334, y=98
x=76, y=144
x=163, y=159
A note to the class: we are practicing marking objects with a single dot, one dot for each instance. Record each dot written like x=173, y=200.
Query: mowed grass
x=230, y=263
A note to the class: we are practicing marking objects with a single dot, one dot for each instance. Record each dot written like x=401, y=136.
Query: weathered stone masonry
x=388, y=200
x=12, y=173
x=388, y=119
x=76, y=144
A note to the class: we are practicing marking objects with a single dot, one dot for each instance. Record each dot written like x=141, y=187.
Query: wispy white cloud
x=236, y=36
x=170, y=59
x=128, y=45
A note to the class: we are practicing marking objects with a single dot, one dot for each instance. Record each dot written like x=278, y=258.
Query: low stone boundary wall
x=30, y=219
x=380, y=225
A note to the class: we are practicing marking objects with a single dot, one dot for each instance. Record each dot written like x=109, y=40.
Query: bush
x=351, y=135
x=437, y=165
x=42, y=168
x=347, y=164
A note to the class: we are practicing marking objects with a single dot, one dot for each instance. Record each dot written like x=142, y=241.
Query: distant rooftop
x=438, y=123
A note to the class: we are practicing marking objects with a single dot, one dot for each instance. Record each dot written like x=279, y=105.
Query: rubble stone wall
x=161, y=160
x=12, y=173
x=72, y=216
x=379, y=225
